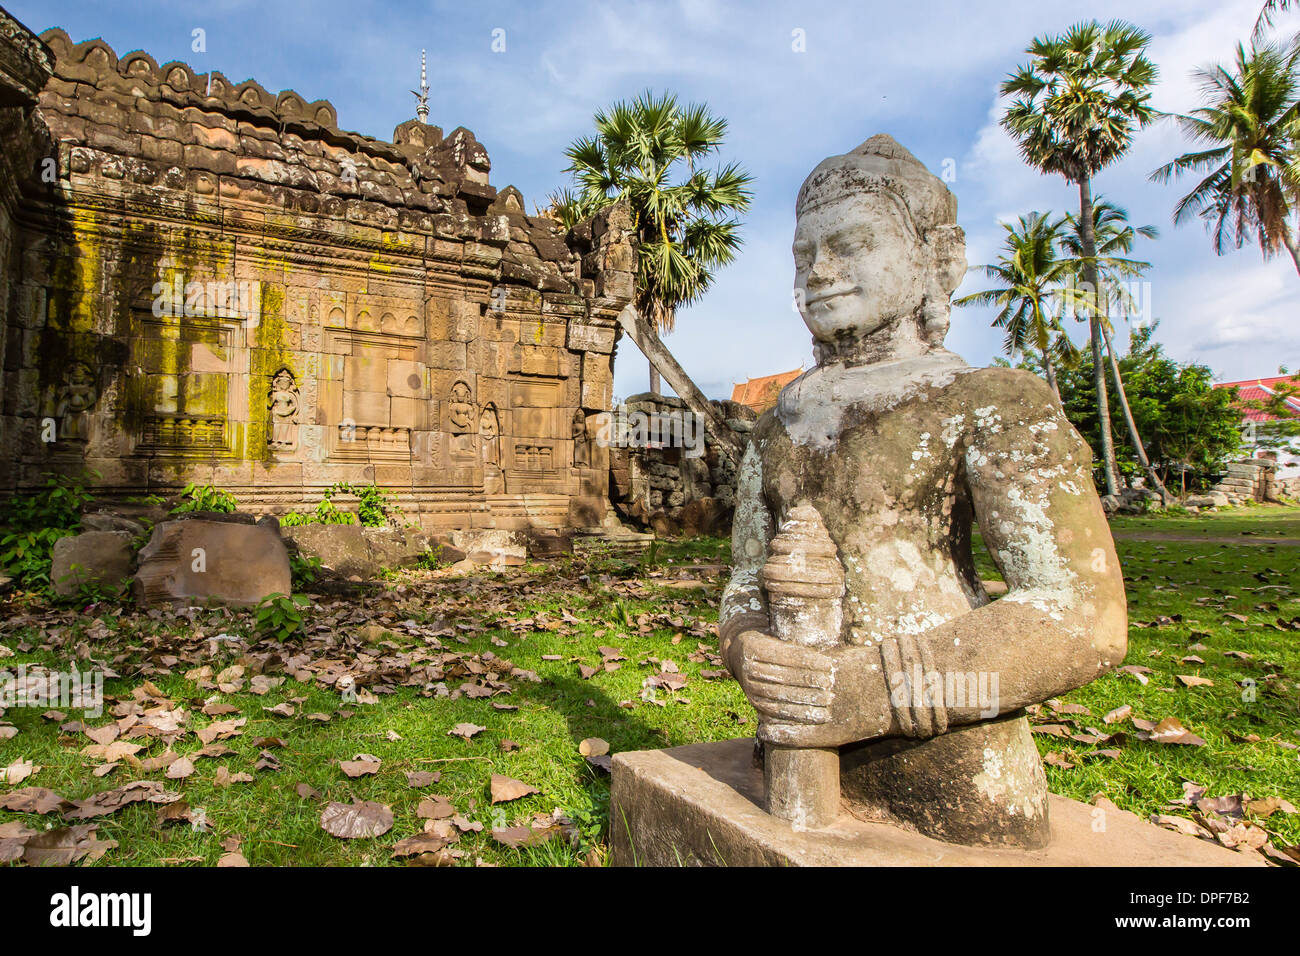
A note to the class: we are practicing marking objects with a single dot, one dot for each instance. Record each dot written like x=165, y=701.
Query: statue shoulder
x=1006, y=389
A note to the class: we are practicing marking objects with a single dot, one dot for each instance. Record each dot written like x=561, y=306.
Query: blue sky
x=926, y=73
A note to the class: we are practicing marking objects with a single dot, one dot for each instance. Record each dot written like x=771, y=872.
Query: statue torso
x=879, y=451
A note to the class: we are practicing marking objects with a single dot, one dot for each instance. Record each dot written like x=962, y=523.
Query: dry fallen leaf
x=417, y=779
x=465, y=731
x=357, y=820
x=593, y=747
x=360, y=765
x=505, y=789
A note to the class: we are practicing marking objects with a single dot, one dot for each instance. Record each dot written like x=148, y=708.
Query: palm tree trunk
x=645, y=337
x=1094, y=329
x=1050, y=371
x=1133, y=435
x=1291, y=247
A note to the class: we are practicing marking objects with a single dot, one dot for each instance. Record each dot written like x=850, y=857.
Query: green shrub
x=36, y=520
x=205, y=498
x=280, y=615
x=304, y=569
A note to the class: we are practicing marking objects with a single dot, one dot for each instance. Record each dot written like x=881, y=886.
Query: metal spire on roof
x=422, y=97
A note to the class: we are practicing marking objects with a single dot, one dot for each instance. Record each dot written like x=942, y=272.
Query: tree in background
x=1191, y=428
x=1113, y=239
x=1076, y=106
x=1250, y=170
x=646, y=152
x=1030, y=274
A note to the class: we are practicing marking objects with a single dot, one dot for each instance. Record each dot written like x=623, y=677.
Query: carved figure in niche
x=581, y=445
x=282, y=400
x=489, y=430
x=461, y=410
x=76, y=397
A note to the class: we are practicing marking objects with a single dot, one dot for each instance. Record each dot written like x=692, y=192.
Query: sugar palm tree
x=1113, y=238
x=646, y=152
x=1076, y=106
x=1029, y=274
x=1249, y=122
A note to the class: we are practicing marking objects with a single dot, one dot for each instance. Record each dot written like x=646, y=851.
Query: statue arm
x=744, y=606
x=1062, y=622
x=1064, y=618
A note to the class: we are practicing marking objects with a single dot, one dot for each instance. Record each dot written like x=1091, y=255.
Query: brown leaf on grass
x=1181, y=825
x=110, y=801
x=221, y=730
x=1268, y=806
x=264, y=742
x=267, y=761
x=504, y=789
x=1118, y=714
x=1138, y=671
x=360, y=765
x=416, y=779
x=307, y=791
x=507, y=745
x=233, y=858
x=178, y=812
x=1051, y=730
x=593, y=747
x=435, y=808
x=419, y=844
x=466, y=825
x=1171, y=731
x=587, y=672
x=18, y=771
x=103, y=735
x=180, y=768
x=465, y=731
x=1056, y=759
x=103, y=770
x=262, y=684
x=358, y=820
x=213, y=750
x=216, y=709
x=281, y=710
x=110, y=752
x=1190, y=680
x=64, y=846
x=34, y=800
x=515, y=837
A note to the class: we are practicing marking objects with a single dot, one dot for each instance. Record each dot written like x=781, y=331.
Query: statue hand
x=785, y=682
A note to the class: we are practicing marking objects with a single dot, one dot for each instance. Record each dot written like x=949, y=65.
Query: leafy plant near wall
x=35, y=520
x=205, y=498
x=376, y=508
x=303, y=569
x=280, y=615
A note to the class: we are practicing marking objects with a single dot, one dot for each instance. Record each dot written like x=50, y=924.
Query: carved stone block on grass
x=208, y=559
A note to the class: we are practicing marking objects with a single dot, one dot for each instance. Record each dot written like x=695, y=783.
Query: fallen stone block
x=101, y=558
x=213, y=559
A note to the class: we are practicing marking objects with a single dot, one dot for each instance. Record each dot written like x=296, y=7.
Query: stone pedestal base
x=702, y=805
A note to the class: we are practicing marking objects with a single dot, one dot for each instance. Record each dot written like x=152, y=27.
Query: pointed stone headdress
x=882, y=165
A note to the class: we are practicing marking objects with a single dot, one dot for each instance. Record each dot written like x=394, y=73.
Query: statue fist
x=785, y=682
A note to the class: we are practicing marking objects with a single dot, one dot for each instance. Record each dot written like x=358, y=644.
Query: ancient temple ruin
x=203, y=281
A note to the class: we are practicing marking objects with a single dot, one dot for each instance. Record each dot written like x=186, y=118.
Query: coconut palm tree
x=1249, y=122
x=1029, y=274
x=1113, y=237
x=646, y=152
x=1076, y=106
x=1270, y=9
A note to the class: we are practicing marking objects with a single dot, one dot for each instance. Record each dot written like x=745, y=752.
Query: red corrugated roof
x=760, y=393
x=1263, y=390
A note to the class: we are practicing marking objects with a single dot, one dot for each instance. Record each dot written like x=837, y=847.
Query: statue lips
x=826, y=296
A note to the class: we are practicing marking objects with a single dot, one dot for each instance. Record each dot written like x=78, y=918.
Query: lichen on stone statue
x=891, y=447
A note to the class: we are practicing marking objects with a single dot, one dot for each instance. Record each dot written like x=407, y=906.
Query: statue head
x=877, y=250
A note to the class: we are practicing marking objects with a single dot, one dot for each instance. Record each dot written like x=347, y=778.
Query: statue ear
x=948, y=245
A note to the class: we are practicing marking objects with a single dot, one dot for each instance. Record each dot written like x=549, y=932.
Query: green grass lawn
x=553, y=621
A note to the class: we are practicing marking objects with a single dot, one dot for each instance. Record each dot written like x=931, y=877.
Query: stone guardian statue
x=854, y=620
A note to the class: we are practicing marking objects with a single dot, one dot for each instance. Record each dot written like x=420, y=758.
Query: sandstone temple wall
x=219, y=285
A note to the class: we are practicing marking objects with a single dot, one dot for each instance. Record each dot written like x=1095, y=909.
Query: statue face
x=858, y=263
